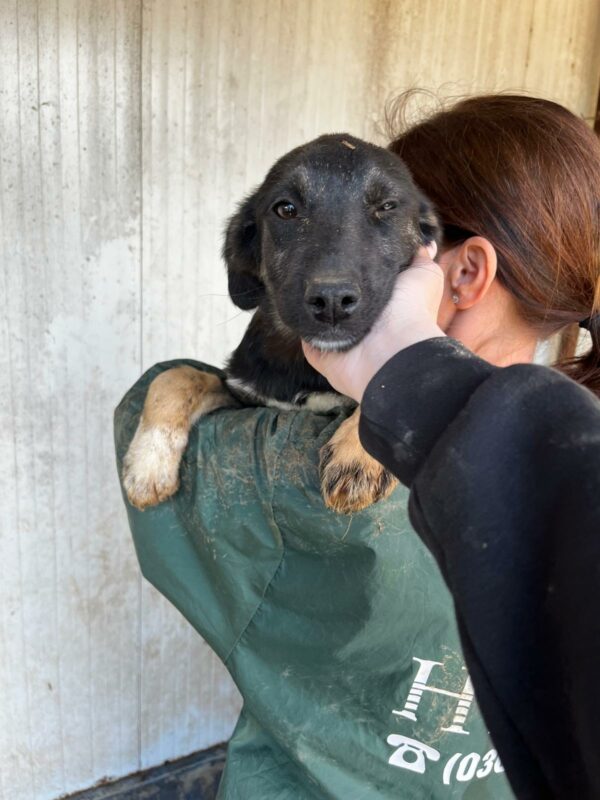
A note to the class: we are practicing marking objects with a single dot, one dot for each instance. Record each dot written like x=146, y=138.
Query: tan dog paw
x=350, y=479
x=176, y=399
x=151, y=465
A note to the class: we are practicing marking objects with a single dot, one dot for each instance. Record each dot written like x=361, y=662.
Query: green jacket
x=337, y=630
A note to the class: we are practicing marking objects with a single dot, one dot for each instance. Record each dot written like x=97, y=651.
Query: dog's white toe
x=151, y=465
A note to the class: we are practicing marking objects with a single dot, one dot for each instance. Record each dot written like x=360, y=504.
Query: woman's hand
x=409, y=317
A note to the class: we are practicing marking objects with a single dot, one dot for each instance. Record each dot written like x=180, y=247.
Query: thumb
x=312, y=355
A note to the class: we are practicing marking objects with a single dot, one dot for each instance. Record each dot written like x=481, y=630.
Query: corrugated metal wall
x=128, y=130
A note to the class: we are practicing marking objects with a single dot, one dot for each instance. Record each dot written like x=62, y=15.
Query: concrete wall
x=128, y=130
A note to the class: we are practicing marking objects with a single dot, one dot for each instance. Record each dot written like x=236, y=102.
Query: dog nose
x=332, y=302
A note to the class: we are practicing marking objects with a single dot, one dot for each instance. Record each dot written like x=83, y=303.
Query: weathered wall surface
x=128, y=129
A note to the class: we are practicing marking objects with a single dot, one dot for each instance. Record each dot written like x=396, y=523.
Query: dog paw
x=350, y=479
x=151, y=465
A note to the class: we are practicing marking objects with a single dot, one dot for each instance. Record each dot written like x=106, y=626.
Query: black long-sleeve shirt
x=504, y=471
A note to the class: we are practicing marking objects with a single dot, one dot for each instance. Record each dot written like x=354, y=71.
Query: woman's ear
x=471, y=271
x=241, y=251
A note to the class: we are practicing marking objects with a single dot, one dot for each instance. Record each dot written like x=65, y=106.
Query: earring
x=455, y=298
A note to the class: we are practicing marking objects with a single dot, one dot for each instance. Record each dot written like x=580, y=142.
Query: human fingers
x=419, y=289
x=342, y=369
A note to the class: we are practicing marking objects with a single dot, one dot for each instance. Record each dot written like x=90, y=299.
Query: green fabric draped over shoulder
x=337, y=630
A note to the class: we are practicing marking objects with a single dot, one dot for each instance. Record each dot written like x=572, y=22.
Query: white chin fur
x=330, y=346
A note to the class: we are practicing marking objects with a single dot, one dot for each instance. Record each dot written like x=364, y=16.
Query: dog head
x=319, y=244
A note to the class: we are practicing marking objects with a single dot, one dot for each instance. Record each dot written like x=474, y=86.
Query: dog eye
x=285, y=210
x=389, y=205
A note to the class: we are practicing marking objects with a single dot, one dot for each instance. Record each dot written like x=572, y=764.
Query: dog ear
x=241, y=252
x=429, y=225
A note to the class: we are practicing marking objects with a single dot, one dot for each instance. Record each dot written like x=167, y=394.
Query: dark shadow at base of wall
x=194, y=777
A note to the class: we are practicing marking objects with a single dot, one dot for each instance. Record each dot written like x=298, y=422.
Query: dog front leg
x=350, y=478
x=175, y=400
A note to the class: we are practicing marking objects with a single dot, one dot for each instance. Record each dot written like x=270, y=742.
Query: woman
x=503, y=465
x=338, y=631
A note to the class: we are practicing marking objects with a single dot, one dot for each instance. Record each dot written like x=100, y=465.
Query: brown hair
x=525, y=173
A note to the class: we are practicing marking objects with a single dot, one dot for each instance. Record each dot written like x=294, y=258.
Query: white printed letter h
x=420, y=685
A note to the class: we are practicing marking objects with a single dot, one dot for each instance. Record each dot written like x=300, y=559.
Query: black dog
x=316, y=250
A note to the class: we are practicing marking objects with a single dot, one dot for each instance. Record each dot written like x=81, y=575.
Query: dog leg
x=175, y=400
x=350, y=479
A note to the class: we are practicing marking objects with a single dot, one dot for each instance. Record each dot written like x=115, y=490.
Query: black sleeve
x=504, y=471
